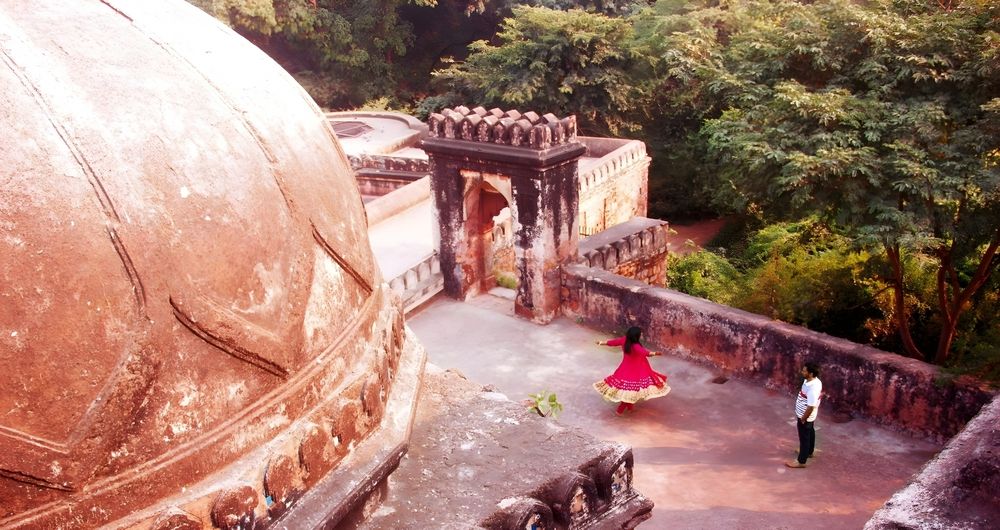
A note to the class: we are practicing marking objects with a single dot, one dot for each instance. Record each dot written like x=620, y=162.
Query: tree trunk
x=901, y=315
x=954, y=301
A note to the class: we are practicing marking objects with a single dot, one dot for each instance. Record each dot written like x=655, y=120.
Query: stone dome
x=187, y=292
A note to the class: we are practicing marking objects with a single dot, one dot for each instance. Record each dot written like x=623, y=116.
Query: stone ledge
x=332, y=499
x=956, y=490
x=479, y=460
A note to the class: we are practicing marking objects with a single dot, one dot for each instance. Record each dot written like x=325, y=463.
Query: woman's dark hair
x=632, y=337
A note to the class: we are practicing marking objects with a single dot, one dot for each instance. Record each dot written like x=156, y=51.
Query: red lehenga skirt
x=634, y=380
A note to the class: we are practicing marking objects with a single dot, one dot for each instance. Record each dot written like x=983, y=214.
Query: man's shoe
x=795, y=464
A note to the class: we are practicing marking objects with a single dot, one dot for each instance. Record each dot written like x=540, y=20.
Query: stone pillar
x=538, y=154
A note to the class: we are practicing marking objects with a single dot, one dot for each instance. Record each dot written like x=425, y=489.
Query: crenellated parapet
x=495, y=126
x=643, y=241
x=613, y=164
x=389, y=163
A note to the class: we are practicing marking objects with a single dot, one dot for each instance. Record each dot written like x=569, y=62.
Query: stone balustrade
x=389, y=163
x=509, y=127
x=419, y=283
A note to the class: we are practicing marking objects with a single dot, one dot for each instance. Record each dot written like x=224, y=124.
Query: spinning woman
x=634, y=380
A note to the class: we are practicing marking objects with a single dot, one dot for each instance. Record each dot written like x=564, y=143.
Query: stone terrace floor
x=709, y=455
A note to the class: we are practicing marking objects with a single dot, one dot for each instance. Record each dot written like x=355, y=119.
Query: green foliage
x=878, y=117
x=568, y=62
x=506, y=281
x=544, y=403
x=345, y=50
x=706, y=275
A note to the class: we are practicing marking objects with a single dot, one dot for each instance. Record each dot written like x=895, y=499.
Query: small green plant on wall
x=506, y=281
x=544, y=403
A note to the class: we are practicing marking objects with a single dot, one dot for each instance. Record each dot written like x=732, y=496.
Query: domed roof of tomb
x=185, y=269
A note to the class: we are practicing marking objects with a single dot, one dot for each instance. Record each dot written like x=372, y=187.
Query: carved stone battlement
x=389, y=163
x=612, y=164
x=512, y=128
x=609, y=249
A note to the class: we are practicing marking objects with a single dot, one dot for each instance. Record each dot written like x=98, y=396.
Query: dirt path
x=692, y=237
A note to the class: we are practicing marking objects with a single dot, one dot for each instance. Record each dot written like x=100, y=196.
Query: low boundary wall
x=635, y=249
x=419, y=283
x=886, y=388
x=397, y=201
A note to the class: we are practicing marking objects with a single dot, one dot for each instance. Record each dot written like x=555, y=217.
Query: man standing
x=806, y=407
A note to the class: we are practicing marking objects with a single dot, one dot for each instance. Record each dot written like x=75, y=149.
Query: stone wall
x=636, y=249
x=958, y=488
x=613, y=189
x=397, y=200
x=381, y=174
x=419, y=283
x=858, y=380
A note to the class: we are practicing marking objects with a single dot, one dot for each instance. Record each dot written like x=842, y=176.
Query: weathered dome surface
x=185, y=275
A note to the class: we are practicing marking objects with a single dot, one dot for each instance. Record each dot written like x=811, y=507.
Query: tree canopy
x=571, y=62
x=879, y=117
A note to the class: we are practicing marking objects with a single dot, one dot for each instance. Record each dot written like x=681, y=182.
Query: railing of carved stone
x=419, y=283
x=389, y=163
x=502, y=229
x=611, y=165
x=647, y=242
x=502, y=127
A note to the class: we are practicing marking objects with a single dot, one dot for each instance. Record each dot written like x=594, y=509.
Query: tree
x=344, y=51
x=568, y=62
x=881, y=117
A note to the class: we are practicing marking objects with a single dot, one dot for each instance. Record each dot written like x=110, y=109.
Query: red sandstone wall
x=641, y=255
x=650, y=270
x=858, y=379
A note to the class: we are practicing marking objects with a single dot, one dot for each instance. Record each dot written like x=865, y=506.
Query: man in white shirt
x=806, y=408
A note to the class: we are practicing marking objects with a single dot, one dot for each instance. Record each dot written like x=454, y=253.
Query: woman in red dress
x=634, y=380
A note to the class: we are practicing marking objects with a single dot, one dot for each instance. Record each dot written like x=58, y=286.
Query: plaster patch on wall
x=236, y=389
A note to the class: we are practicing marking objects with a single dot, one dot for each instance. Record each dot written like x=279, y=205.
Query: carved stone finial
x=469, y=126
x=451, y=119
x=435, y=125
x=176, y=519
x=234, y=508
x=569, y=124
x=519, y=133
x=541, y=137
x=484, y=131
x=283, y=483
x=501, y=132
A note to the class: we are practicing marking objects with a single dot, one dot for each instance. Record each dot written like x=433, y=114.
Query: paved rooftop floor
x=403, y=240
x=709, y=455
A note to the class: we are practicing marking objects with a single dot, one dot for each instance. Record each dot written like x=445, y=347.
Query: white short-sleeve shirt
x=809, y=395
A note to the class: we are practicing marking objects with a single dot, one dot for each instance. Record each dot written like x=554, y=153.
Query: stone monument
x=190, y=334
